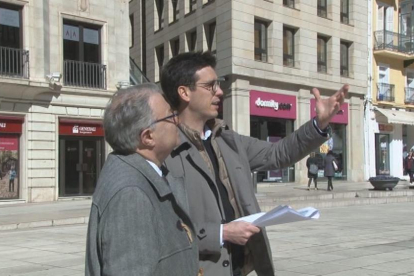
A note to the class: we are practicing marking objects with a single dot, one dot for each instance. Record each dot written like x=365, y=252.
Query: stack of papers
x=281, y=214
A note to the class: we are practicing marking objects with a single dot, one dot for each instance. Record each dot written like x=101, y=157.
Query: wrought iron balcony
x=345, y=17
x=387, y=40
x=385, y=92
x=322, y=12
x=289, y=3
x=84, y=74
x=14, y=62
x=288, y=60
x=409, y=95
x=322, y=67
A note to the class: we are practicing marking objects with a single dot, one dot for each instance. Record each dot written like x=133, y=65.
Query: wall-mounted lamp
x=123, y=84
x=54, y=80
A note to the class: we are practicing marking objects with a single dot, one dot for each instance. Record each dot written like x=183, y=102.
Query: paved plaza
x=352, y=241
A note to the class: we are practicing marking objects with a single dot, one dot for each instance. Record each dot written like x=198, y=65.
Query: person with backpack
x=312, y=165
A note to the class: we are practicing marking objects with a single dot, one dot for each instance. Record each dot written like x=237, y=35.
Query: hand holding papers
x=281, y=214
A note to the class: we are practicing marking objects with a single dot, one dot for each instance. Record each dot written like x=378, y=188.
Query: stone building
x=271, y=54
x=60, y=62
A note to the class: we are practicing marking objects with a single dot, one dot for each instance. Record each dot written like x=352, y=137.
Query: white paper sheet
x=281, y=214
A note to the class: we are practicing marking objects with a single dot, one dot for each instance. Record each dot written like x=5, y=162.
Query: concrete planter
x=384, y=182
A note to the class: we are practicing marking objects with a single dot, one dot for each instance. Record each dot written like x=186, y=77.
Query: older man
x=138, y=223
x=216, y=163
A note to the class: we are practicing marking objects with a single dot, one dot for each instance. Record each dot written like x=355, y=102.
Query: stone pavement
x=361, y=240
x=45, y=251
x=76, y=211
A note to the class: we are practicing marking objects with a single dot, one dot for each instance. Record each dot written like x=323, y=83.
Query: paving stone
x=400, y=267
x=319, y=268
x=23, y=269
x=362, y=272
x=53, y=271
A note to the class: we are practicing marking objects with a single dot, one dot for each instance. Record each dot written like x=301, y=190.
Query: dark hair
x=181, y=70
x=127, y=115
x=330, y=152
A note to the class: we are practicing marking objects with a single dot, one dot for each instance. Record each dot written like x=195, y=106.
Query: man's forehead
x=206, y=73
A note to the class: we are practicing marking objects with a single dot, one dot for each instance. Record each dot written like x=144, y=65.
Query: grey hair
x=127, y=115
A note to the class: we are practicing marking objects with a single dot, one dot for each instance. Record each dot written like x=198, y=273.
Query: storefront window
x=272, y=130
x=337, y=144
x=9, y=166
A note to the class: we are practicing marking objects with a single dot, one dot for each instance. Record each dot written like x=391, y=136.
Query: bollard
x=254, y=180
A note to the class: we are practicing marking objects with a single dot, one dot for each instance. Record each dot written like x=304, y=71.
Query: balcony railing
x=344, y=18
x=136, y=76
x=387, y=40
x=289, y=3
x=409, y=95
x=344, y=70
x=322, y=12
x=14, y=62
x=288, y=60
x=84, y=74
x=322, y=68
x=385, y=92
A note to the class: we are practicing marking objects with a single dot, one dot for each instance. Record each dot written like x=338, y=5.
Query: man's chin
x=213, y=115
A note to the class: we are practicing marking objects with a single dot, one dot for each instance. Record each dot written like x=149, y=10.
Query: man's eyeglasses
x=211, y=86
x=171, y=118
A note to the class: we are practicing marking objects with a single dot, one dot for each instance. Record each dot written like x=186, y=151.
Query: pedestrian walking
x=331, y=165
x=409, y=165
x=312, y=165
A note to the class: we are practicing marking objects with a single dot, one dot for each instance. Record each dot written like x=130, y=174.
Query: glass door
x=79, y=165
x=91, y=164
x=71, y=160
x=382, y=154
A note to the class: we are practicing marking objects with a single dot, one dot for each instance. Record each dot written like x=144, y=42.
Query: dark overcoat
x=329, y=168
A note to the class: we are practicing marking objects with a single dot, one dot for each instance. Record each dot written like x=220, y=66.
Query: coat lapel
x=194, y=157
x=179, y=191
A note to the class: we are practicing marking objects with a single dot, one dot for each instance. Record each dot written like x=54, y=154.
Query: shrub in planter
x=384, y=182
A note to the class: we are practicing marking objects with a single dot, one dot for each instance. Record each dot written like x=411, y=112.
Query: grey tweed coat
x=138, y=223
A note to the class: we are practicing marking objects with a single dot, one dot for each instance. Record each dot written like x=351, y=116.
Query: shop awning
x=397, y=117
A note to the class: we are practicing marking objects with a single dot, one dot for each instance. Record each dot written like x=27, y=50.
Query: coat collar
x=215, y=125
x=140, y=164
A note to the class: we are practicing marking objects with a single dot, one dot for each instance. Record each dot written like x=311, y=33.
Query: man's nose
x=219, y=92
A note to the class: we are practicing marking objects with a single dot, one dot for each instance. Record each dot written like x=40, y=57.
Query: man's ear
x=147, y=138
x=184, y=93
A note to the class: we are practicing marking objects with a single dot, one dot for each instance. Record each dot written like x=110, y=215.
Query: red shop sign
x=80, y=127
x=340, y=118
x=9, y=143
x=272, y=105
x=10, y=124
